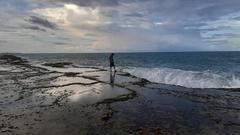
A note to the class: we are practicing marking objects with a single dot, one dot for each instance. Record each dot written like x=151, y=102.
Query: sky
x=75, y=26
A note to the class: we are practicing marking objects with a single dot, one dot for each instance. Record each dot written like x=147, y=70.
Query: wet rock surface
x=58, y=64
x=64, y=99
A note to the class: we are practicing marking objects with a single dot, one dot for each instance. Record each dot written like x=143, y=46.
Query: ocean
x=188, y=69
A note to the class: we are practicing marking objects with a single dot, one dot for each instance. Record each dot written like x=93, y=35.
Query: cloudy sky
x=73, y=26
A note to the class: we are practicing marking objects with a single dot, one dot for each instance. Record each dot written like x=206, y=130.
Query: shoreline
x=37, y=100
x=187, y=75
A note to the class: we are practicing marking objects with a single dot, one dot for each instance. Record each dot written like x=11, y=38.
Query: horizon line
x=110, y=52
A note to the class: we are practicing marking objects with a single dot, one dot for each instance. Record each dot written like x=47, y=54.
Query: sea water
x=188, y=69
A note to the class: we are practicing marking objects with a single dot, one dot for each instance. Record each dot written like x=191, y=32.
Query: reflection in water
x=112, y=77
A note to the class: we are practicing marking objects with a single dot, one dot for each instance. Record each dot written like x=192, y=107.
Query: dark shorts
x=112, y=64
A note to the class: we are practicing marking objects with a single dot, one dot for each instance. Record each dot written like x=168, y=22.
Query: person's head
x=112, y=54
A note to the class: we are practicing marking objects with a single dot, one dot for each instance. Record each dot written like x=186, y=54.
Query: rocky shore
x=64, y=99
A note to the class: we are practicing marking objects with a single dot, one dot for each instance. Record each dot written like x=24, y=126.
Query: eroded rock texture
x=63, y=99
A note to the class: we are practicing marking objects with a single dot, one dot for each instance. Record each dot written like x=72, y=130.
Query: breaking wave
x=190, y=79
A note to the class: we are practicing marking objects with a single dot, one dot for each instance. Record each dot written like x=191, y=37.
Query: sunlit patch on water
x=98, y=92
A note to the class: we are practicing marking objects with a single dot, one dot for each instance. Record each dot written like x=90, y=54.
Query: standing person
x=111, y=61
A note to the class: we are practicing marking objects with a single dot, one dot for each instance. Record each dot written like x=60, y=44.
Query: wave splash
x=190, y=79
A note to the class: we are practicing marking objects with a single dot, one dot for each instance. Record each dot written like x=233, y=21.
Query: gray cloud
x=237, y=18
x=35, y=28
x=42, y=22
x=61, y=43
x=3, y=41
x=90, y=3
x=207, y=9
x=158, y=25
x=134, y=14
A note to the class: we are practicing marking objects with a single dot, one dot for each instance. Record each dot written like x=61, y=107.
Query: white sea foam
x=190, y=79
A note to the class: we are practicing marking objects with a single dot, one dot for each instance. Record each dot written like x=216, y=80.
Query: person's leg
x=114, y=67
x=111, y=66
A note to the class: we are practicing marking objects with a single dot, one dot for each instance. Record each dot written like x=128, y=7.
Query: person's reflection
x=112, y=77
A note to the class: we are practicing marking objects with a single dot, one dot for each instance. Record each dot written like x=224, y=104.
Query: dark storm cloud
x=42, y=22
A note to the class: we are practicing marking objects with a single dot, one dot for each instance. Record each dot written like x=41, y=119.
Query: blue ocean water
x=189, y=69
